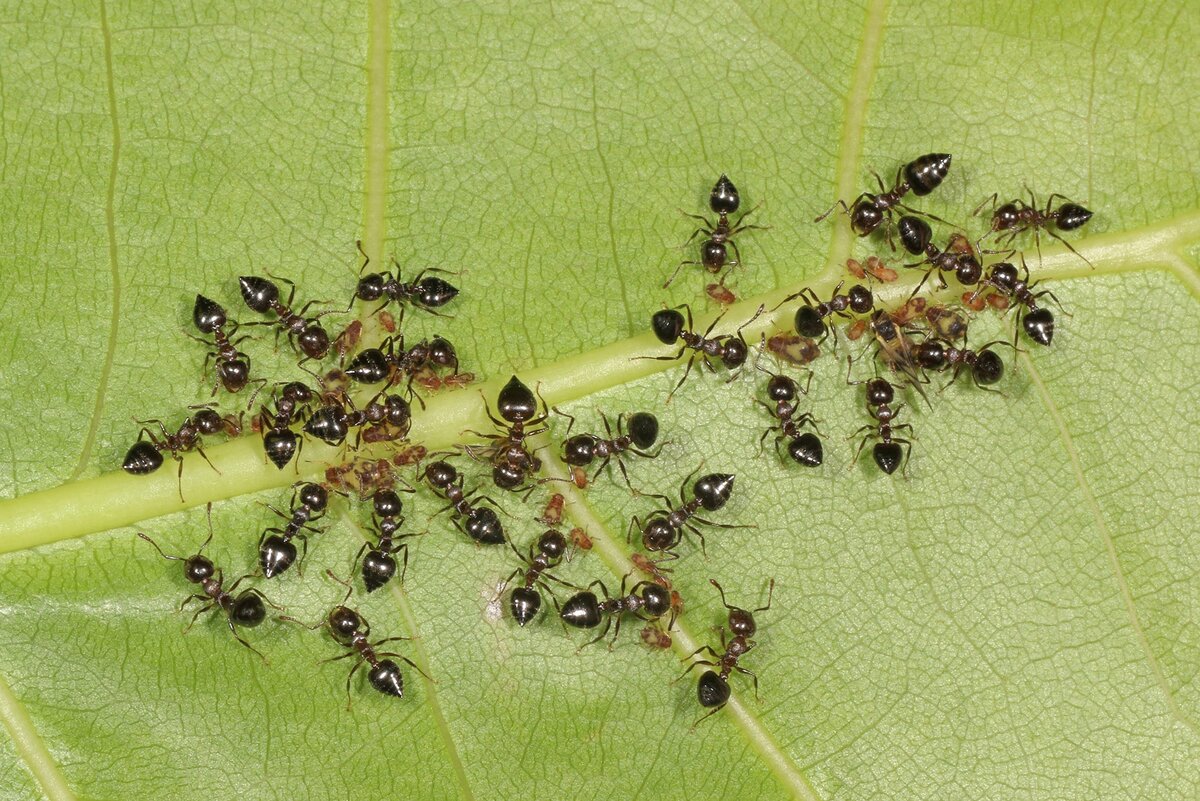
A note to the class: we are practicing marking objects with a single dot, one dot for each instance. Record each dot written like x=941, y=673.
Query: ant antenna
x=160, y=550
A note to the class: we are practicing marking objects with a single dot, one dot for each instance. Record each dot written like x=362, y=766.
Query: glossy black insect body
x=646, y=600
x=280, y=443
x=480, y=523
x=887, y=451
x=920, y=176
x=730, y=350
x=985, y=365
x=521, y=417
x=305, y=333
x=231, y=365
x=812, y=316
x=1016, y=217
x=1038, y=321
x=958, y=258
x=663, y=530
x=276, y=549
x=543, y=556
x=385, y=417
x=427, y=292
x=804, y=447
x=393, y=363
x=635, y=434
x=146, y=454
x=713, y=689
x=379, y=561
x=718, y=237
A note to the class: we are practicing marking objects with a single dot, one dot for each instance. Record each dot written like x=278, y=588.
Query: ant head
x=808, y=322
x=741, y=622
x=552, y=544
x=387, y=504
x=1004, y=275
x=643, y=429
x=314, y=496
x=667, y=325
x=724, y=198
x=1072, y=216
x=736, y=352
x=441, y=353
x=988, y=367
x=234, y=374
x=866, y=216
x=861, y=300
x=879, y=392
x=207, y=421
x=259, y=293
x=197, y=568
x=370, y=366
x=967, y=270
x=806, y=449
x=142, y=458
x=280, y=446
x=659, y=534
x=1005, y=217
x=484, y=526
x=208, y=315
x=925, y=174
x=781, y=388
x=713, y=490
x=915, y=234
x=433, y=292
x=657, y=599
x=516, y=403
x=441, y=474
x=343, y=623
x=370, y=287
x=713, y=255
x=313, y=341
x=399, y=413
x=579, y=450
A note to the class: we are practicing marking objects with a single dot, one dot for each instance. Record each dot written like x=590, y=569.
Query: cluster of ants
x=326, y=410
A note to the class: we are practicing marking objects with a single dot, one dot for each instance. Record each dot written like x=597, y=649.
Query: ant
x=428, y=293
x=279, y=441
x=729, y=349
x=921, y=176
x=723, y=200
x=646, y=600
x=583, y=449
x=146, y=454
x=1017, y=216
x=353, y=632
x=305, y=333
x=275, y=549
x=886, y=452
x=1038, y=322
x=232, y=366
x=480, y=523
x=383, y=421
x=543, y=555
x=804, y=447
x=244, y=610
x=958, y=257
x=810, y=318
x=389, y=362
x=512, y=462
x=378, y=566
x=985, y=365
x=713, y=689
x=664, y=529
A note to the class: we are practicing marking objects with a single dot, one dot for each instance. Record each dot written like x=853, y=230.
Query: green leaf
x=1014, y=620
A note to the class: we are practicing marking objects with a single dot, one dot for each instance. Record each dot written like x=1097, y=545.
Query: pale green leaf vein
x=30, y=746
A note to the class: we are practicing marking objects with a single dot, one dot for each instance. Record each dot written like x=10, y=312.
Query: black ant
x=986, y=366
x=146, y=454
x=729, y=349
x=1017, y=216
x=379, y=564
x=810, y=317
x=276, y=553
x=428, y=293
x=723, y=200
x=1038, y=321
x=958, y=257
x=647, y=600
x=512, y=462
x=583, y=449
x=232, y=366
x=377, y=421
x=244, y=610
x=543, y=555
x=390, y=362
x=664, y=529
x=353, y=632
x=305, y=333
x=713, y=689
x=886, y=452
x=480, y=523
x=803, y=446
x=279, y=441
x=921, y=176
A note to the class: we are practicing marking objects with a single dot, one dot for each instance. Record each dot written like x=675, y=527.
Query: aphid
x=713, y=688
x=543, y=555
x=1017, y=216
x=276, y=552
x=232, y=366
x=512, y=462
x=920, y=176
x=985, y=366
x=645, y=600
x=793, y=348
x=480, y=523
x=146, y=454
x=244, y=610
x=958, y=257
x=651, y=568
x=946, y=323
x=353, y=632
x=378, y=421
x=654, y=637
x=663, y=530
x=803, y=446
x=348, y=340
x=874, y=267
x=552, y=515
x=811, y=316
x=580, y=539
x=363, y=477
x=428, y=293
x=1037, y=321
x=582, y=450
x=305, y=333
x=909, y=311
x=721, y=294
x=728, y=349
x=886, y=452
x=279, y=441
x=379, y=563
x=432, y=382
x=714, y=255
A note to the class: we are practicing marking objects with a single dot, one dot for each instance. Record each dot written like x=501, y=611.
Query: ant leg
x=349, y=678
x=994, y=197
x=188, y=600
x=600, y=636
x=571, y=424
x=238, y=637
x=411, y=663
x=753, y=679
x=770, y=595
x=842, y=203
x=199, y=612
x=686, y=373
x=676, y=357
x=1069, y=247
